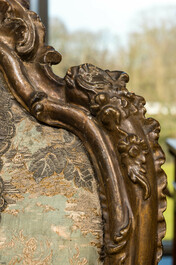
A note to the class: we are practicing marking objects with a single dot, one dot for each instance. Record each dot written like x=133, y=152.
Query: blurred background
x=138, y=37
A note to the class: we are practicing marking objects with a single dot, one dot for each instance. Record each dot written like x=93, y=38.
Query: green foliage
x=79, y=47
x=149, y=58
x=168, y=130
x=169, y=214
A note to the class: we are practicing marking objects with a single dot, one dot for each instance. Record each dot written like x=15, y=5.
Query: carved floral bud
x=102, y=99
x=98, y=102
x=110, y=117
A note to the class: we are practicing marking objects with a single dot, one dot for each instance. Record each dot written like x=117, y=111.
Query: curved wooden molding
x=96, y=106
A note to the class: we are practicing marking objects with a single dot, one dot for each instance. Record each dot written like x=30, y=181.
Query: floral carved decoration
x=110, y=121
x=133, y=152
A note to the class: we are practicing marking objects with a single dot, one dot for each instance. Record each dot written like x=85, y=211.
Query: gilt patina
x=109, y=120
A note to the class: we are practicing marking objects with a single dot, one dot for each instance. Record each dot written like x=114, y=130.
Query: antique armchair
x=81, y=179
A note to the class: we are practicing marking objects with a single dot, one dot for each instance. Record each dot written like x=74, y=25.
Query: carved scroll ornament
x=110, y=121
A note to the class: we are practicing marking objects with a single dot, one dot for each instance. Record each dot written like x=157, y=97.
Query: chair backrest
x=51, y=180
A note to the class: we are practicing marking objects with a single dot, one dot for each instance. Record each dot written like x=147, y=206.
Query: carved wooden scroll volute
x=97, y=107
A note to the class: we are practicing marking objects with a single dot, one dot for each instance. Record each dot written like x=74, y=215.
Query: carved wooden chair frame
x=110, y=121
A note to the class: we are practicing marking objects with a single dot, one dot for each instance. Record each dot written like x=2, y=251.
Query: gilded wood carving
x=110, y=121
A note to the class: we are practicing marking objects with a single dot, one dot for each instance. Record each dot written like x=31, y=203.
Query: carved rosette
x=96, y=106
x=133, y=152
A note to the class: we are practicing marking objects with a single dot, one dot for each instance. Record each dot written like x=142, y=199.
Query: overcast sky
x=118, y=17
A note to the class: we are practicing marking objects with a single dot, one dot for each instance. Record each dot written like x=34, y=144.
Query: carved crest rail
x=110, y=121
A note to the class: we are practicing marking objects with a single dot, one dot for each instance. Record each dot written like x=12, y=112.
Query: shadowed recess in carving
x=110, y=121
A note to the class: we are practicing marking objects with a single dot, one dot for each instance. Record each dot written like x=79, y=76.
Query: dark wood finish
x=172, y=149
x=96, y=106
